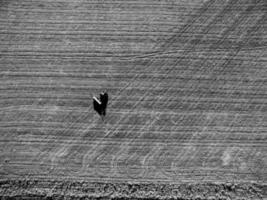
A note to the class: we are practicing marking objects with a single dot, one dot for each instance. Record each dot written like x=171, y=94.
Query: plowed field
x=187, y=116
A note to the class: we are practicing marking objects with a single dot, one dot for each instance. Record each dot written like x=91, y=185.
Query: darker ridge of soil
x=55, y=189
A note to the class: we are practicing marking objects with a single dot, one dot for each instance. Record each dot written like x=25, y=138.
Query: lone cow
x=100, y=105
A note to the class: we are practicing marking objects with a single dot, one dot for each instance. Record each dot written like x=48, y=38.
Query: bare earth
x=187, y=117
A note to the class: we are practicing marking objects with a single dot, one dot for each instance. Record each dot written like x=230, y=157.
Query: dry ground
x=188, y=111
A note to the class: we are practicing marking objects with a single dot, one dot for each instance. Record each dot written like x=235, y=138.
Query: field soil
x=187, y=116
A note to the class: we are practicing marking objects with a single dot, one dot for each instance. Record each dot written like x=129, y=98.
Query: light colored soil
x=188, y=98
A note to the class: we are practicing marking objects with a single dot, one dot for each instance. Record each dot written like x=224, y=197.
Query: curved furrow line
x=207, y=5
x=191, y=49
x=150, y=62
x=169, y=43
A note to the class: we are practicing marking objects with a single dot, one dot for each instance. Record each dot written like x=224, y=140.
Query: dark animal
x=100, y=105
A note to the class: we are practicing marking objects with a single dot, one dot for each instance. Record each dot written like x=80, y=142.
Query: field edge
x=70, y=189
